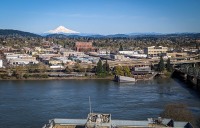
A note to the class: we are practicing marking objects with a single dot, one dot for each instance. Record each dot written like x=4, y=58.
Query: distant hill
x=73, y=36
x=145, y=35
x=118, y=36
x=16, y=33
x=56, y=36
x=79, y=35
x=61, y=36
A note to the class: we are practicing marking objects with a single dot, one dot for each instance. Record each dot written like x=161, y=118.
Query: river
x=30, y=104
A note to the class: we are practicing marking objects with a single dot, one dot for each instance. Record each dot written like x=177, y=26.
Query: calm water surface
x=30, y=104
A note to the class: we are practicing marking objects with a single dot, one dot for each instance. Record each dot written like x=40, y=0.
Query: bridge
x=189, y=73
x=150, y=62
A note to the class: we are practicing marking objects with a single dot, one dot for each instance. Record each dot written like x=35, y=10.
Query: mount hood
x=62, y=29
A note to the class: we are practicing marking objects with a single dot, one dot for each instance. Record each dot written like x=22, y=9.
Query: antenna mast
x=90, y=104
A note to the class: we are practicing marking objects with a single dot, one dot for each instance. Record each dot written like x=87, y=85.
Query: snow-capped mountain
x=62, y=29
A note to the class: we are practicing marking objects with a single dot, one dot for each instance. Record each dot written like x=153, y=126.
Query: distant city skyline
x=101, y=16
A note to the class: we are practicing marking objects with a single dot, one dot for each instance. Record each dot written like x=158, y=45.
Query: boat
x=124, y=79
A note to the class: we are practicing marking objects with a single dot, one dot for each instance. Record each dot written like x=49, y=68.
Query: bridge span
x=189, y=74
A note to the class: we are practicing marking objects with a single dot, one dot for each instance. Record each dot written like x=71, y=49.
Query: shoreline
x=78, y=78
x=59, y=78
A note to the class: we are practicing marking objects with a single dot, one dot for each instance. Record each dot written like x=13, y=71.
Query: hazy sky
x=101, y=16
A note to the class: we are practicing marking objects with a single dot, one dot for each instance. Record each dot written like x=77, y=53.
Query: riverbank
x=75, y=78
x=64, y=78
x=79, y=78
x=163, y=75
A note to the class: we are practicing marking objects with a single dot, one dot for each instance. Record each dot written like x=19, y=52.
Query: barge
x=124, y=79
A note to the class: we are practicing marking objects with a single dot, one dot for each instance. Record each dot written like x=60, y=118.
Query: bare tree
x=178, y=112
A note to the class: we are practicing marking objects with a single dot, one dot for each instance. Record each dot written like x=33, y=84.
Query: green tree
x=106, y=67
x=127, y=71
x=121, y=48
x=118, y=71
x=161, y=65
x=26, y=76
x=99, y=68
x=168, y=66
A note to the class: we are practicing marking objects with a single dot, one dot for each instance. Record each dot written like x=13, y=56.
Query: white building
x=20, y=61
x=128, y=52
x=10, y=56
x=139, y=55
x=57, y=67
x=104, y=52
x=72, y=53
x=134, y=54
x=118, y=57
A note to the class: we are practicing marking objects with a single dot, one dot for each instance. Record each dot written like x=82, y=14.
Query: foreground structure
x=99, y=120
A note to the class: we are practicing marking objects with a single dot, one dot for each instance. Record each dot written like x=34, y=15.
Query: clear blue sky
x=101, y=16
